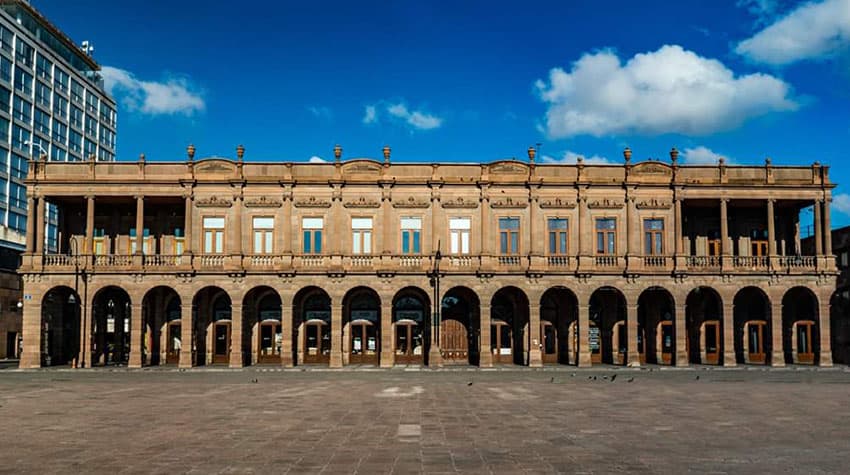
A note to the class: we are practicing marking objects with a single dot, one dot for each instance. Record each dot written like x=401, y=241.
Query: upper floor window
x=6, y=37
x=312, y=230
x=44, y=67
x=263, y=235
x=76, y=91
x=758, y=241
x=21, y=110
x=42, y=94
x=5, y=69
x=411, y=231
x=558, y=228
x=23, y=81
x=61, y=80
x=459, y=235
x=24, y=53
x=606, y=236
x=653, y=237
x=361, y=234
x=509, y=235
x=845, y=259
x=213, y=235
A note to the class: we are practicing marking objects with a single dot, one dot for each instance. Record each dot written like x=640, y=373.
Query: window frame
x=265, y=235
x=308, y=244
x=217, y=235
x=460, y=233
x=653, y=239
x=556, y=234
x=410, y=237
x=509, y=239
x=609, y=237
x=362, y=242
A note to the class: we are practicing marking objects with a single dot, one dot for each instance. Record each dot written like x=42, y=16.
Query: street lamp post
x=434, y=357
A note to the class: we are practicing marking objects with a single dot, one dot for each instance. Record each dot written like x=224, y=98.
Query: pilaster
x=187, y=346
x=777, y=356
x=237, y=358
x=137, y=324
x=485, y=355
x=728, y=334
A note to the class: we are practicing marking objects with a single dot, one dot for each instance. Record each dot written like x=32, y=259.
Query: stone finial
x=768, y=162
x=627, y=154
x=240, y=151
x=190, y=151
x=532, y=152
x=721, y=161
x=337, y=152
x=674, y=155
x=141, y=157
x=387, y=150
x=579, y=160
x=816, y=164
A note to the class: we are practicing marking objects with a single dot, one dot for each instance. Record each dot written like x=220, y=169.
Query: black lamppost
x=75, y=253
x=434, y=356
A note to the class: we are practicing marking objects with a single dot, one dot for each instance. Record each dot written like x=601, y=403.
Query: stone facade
x=219, y=261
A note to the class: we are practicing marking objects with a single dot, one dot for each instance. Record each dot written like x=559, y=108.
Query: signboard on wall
x=415, y=315
x=371, y=315
x=593, y=339
x=318, y=315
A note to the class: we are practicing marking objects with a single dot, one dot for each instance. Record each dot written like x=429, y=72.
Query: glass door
x=805, y=351
x=712, y=342
x=173, y=344
x=549, y=341
x=221, y=344
x=268, y=346
x=364, y=343
x=501, y=343
x=666, y=330
x=317, y=342
x=755, y=340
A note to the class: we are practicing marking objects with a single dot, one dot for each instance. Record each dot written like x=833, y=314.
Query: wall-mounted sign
x=593, y=339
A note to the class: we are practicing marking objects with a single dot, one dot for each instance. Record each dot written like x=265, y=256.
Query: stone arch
x=800, y=326
x=262, y=331
x=60, y=327
x=704, y=321
x=212, y=325
x=411, y=325
x=656, y=326
x=559, y=326
x=161, y=320
x=460, y=326
x=608, y=335
x=752, y=320
x=311, y=333
x=839, y=324
x=361, y=320
x=110, y=326
x=509, y=319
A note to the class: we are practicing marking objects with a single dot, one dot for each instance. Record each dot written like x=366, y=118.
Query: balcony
x=750, y=263
x=794, y=264
x=703, y=263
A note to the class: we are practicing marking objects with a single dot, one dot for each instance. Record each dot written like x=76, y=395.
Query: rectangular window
x=17, y=195
x=5, y=69
x=6, y=38
x=75, y=141
x=91, y=102
x=411, y=235
x=106, y=113
x=60, y=132
x=21, y=110
x=213, y=235
x=60, y=82
x=42, y=94
x=5, y=99
x=43, y=67
x=60, y=106
x=4, y=130
x=20, y=137
x=558, y=242
x=19, y=166
x=845, y=259
x=312, y=229
x=459, y=235
x=76, y=91
x=91, y=126
x=361, y=233
x=653, y=236
x=263, y=235
x=76, y=117
x=58, y=154
x=42, y=121
x=89, y=149
x=23, y=81
x=509, y=236
x=24, y=53
x=606, y=236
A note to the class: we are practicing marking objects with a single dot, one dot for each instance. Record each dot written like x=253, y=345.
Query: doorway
x=711, y=341
x=173, y=343
x=221, y=342
x=501, y=342
x=268, y=342
x=364, y=342
x=805, y=347
x=755, y=341
x=548, y=342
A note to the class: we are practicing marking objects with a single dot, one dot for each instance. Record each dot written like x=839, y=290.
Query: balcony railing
x=161, y=260
x=655, y=261
x=113, y=260
x=59, y=260
x=558, y=261
x=703, y=262
x=606, y=261
x=261, y=260
x=211, y=261
x=801, y=263
x=510, y=261
x=750, y=262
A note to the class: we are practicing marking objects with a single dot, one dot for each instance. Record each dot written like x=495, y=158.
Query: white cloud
x=841, y=203
x=316, y=159
x=670, y=90
x=417, y=119
x=814, y=30
x=570, y=158
x=370, y=115
x=702, y=156
x=763, y=10
x=320, y=112
x=174, y=95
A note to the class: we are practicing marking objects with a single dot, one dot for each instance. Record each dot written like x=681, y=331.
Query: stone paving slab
x=605, y=420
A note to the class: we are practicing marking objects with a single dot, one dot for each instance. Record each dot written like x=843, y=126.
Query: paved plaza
x=793, y=420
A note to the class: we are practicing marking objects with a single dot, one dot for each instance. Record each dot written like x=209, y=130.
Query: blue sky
x=477, y=80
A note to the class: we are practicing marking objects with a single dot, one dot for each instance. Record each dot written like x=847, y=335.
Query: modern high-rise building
x=52, y=103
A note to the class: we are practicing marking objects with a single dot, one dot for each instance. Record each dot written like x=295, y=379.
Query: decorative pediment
x=459, y=202
x=214, y=166
x=213, y=202
x=509, y=203
x=508, y=167
x=312, y=202
x=361, y=167
x=652, y=168
x=263, y=202
x=654, y=203
x=362, y=202
x=557, y=203
x=605, y=203
x=411, y=202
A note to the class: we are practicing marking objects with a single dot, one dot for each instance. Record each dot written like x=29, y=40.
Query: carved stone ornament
x=654, y=203
x=557, y=203
x=507, y=167
x=214, y=167
x=509, y=203
x=459, y=202
x=263, y=202
x=362, y=202
x=605, y=203
x=362, y=167
x=213, y=202
x=411, y=202
x=652, y=168
x=312, y=202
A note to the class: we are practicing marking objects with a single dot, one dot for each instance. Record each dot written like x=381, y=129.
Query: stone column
x=336, y=332
x=678, y=229
x=777, y=357
x=583, y=329
x=632, y=355
x=725, y=251
x=236, y=233
x=818, y=229
x=387, y=356
x=824, y=332
x=32, y=217
x=237, y=359
x=771, y=229
x=485, y=353
x=287, y=331
x=31, y=354
x=681, y=330
x=89, y=244
x=728, y=334
x=187, y=220
x=140, y=224
x=40, y=225
x=86, y=359
x=827, y=228
x=137, y=323
x=585, y=231
x=535, y=356
x=632, y=228
x=186, y=343
x=288, y=230
x=387, y=240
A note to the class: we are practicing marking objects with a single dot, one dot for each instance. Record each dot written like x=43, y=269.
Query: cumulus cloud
x=570, y=158
x=841, y=203
x=702, y=156
x=416, y=119
x=813, y=30
x=174, y=95
x=670, y=90
x=316, y=159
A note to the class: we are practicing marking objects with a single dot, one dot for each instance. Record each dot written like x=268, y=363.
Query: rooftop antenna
x=87, y=47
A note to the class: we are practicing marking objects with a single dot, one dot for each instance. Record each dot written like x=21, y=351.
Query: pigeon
x=552, y=380
x=697, y=378
x=630, y=380
x=469, y=383
x=613, y=378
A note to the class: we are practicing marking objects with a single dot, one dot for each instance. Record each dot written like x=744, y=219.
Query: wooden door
x=549, y=342
x=317, y=342
x=454, y=341
x=268, y=342
x=409, y=346
x=665, y=330
x=755, y=338
x=501, y=342
x=221, y=342
x=714, y=247
x=805, y=347
x=172, y=343
x=759, y=248
x=711, y=342
x=364, y=343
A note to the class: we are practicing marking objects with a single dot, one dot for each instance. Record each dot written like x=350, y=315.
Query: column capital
x=139, y=197
x=89, y=197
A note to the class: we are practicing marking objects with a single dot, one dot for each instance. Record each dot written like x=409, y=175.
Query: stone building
x=229, y=262
x=840, y=302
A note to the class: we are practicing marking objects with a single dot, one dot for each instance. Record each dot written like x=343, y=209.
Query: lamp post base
x=435, y=358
